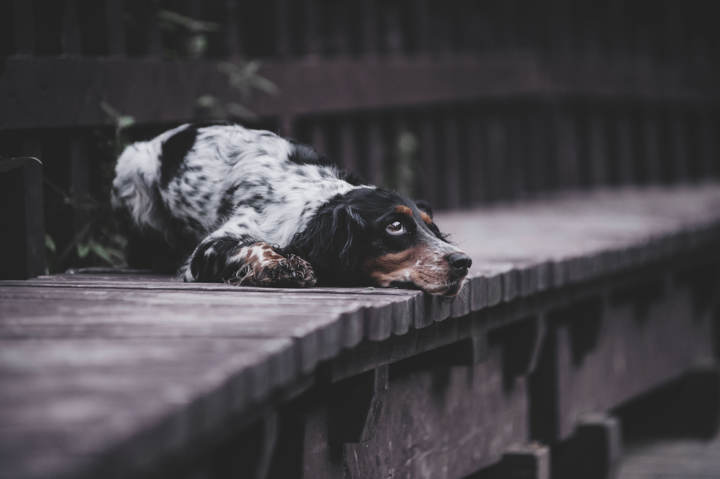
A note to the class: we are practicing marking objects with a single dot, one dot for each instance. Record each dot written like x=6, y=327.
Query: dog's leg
x=237, y=257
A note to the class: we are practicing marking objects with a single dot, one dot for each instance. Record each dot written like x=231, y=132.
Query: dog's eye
x=395, y=228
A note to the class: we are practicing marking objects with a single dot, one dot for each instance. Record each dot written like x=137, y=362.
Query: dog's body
x=249, y=207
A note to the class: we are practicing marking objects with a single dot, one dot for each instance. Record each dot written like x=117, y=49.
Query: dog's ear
x=424, y=206
x=330, y=240
x=346, y=226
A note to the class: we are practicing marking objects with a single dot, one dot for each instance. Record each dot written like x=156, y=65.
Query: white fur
x=272, y=197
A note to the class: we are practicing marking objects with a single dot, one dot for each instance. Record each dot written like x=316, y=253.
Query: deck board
x=90, y=361
x=672, y=459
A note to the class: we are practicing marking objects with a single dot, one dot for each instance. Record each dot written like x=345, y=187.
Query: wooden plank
x=477, y=147
x=82, y=345
x=348, y=146
x=598, y=155
x=74, y=399
x=282, y=28
x=451, y=161
x=115, y=21
x=24, y=27
x=80, y=84
x=377, y=152
x=23, y=247
x=71, y=29
x=531, y=461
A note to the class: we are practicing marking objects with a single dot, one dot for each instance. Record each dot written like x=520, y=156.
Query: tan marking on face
x=419, y=265
x=405, y=210
x=422, y=265
x=425, y=217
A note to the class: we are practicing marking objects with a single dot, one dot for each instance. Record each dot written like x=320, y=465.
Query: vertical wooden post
x=348, y=146
x=422, y=26
x=22, y=247
x=312, y=41
x=680, y=157
x=625, y=158
x=115, y=20
x=369, y=28
x=452, y=174
x=232, y=33
x=566, y=148
x=282, y=27
x=23, y=27
x=526, y=461
x=597, y=150
x=428, y=159
x=475, y=176
x=496, y=180
x=651, y=151
x=377, y=152
x=708, y=147
x=71, y=30
x=594, y=450
x=79, y=180
x=154, y=35
x=318, y=137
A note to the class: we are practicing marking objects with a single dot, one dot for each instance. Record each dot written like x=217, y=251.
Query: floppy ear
x=424, y=206
x=328, y=239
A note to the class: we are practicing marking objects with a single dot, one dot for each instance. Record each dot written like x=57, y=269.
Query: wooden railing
x=459, y=102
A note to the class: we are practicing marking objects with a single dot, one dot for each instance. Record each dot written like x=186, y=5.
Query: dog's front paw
x=263, y=266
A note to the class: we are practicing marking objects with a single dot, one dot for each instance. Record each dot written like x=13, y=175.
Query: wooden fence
x=460, y=102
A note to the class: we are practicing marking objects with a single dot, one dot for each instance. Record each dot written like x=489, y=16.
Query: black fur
x=174, y=150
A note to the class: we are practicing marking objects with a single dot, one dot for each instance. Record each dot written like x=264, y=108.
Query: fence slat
x=377, y=152
x=282, y=28
x=597, y=149
x=71, y=29
x=625, y=157
x=451, y=164
x=232, y=34
x=311, y=41
x=497, y=153
x=370, y=32
x=651, y=150
x=475, y=175
x=428, y=160
x=23, y=27
x=115, y=21
x=566, y=148
x=348, y=146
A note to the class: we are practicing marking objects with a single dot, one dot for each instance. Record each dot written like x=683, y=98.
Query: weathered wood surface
x=99, y=367
x=673, y=458
x=79, y=85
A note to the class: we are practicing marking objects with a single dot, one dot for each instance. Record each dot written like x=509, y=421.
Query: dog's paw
x=263, y=266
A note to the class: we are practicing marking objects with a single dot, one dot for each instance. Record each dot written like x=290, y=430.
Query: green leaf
x=125, y=121
x=100, y=251
x=82, y=250
x=172, y=19
x=50, y=243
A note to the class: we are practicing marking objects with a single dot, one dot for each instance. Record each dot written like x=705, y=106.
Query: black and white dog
x=248, y=207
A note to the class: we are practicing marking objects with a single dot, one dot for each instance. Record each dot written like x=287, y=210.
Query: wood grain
x=90, y=361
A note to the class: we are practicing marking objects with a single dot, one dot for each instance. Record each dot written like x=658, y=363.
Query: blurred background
x=459, y=102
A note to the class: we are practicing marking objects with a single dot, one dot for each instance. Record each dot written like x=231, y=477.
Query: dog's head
x=378, y=237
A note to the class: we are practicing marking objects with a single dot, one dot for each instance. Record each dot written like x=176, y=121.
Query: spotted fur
x=251, y=208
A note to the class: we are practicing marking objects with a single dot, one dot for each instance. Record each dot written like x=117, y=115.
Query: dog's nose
x=459, y=262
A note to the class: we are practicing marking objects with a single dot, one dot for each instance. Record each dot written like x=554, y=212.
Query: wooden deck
x=100, y=369
x=673, y=459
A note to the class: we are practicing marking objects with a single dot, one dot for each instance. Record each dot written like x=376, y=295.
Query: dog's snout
x=459, y=262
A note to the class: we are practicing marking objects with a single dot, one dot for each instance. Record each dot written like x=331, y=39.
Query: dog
x=247, y=207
